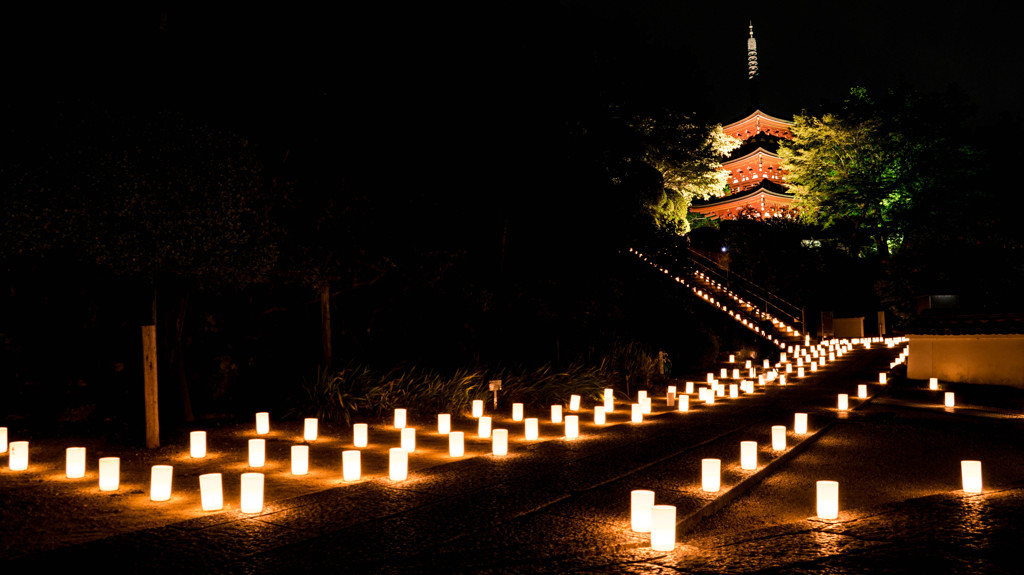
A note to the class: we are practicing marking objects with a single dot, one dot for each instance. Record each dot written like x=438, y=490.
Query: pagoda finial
x=751, y=54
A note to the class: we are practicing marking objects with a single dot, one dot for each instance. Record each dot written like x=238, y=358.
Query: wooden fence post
x=149, y=373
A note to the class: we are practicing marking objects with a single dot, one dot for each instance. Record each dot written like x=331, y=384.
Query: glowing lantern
x=637, y=414
x=844, y=402
x=399, y=464
x=782, y=379
x=110, y=473
x=74, y=466
x=444, y=423
x=748, y=454
x=732, y=358
x=409, y=439
x=641, y=396
x=574, y=403
x=645, y=405
x=799, y=372
x=300, y=459
x=670, y=398
x=663, y=527
x=499, y=442
x=814, y=366
x=160, y=482
x=800, y=424
x=262, y=423
x=531, y=428
x=456, y=444
x=3, y=440
x=862, y=391
x=197, y=444
x=478, y=407
x=309, y=429
x=881, y=377
x=252, y=492
x=572, y=426
x=779, y=437
x=689, y=387
x=971, y=473
x=483, y=429
x=709, y=397
x=933, y=383
x=724, y=374
x=360, y=434
x=748, y=364
x=711, y=475
x=351, y=465
x=828, y=499
x=734, y=390
x=399, y=418
x=609, y=400
x=950, y=402
x=18, y=458
x=517, y=412
x=641, y=501
x=257, y=452
x=556, y=414
x=789, y=368
x=766, y=364
x=711, y=377
x=684, y=403
x=599, y=415
x=211, y=491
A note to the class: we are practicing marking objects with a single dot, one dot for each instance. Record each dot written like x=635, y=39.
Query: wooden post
x=149, y=373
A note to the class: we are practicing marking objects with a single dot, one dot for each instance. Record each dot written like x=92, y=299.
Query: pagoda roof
x=753, y=116
x=750, y=155
x=766, y=188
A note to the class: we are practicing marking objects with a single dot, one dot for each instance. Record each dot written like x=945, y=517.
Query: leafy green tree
x=864, y=167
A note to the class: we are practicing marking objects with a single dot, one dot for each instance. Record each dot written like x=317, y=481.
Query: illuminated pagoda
x=756, y=182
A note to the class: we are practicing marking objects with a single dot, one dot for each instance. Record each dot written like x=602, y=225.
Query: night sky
x=446, y=85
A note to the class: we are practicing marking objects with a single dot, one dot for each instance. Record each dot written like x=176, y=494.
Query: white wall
x=994, y=359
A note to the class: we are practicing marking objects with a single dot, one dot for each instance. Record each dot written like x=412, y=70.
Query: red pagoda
x=756, y=180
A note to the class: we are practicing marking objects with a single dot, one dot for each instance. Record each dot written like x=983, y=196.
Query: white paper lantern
x=724, y=373
x=456, y=444
x=641, y=501
x=734, y=390
x=844, y=402
x=517, y=412
x=556, y=414
x=971, y=475
x=799, y=372
x=74, y=466
x=800, y=424
x=309, y=429
x=360, y=434
x=572, y=426
x=262, y=423
x=197, y=444
x=683, y=403
x=110, y=473
x=300, y=459
x=574, y=403
x=211, y=491
x=160, y=480
x=689, y=387
x=257, y=452
x=640, y=396
x=3, y=440
x=663, y=527
x=950, y=401
x=933, y=383
x=17, y=460
x=499, y=442
x=609, y=401
x=400, y=418
x=748, y=454
x=409, y=439
x=828, y=499
x=779, y=437
x=882, y=377
x=478, y=407
x=483, y=428
x=637, y=414
x=735, y=373
x=599, y=415
x=862, y=391
x=252, y=493
x=398, y=469
x=646, y=405
x=711, y=475
x=351, y=465
x=444, y=423
x=532, y=425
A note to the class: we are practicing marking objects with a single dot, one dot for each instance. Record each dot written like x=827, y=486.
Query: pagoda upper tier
x=758, y=124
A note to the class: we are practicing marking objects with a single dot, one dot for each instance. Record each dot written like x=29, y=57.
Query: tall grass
x=358, y=389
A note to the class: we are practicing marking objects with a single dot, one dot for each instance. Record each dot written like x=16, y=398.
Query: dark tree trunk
x=325, y=324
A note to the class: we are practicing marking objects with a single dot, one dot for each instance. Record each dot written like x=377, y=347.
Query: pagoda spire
x=751, y=54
